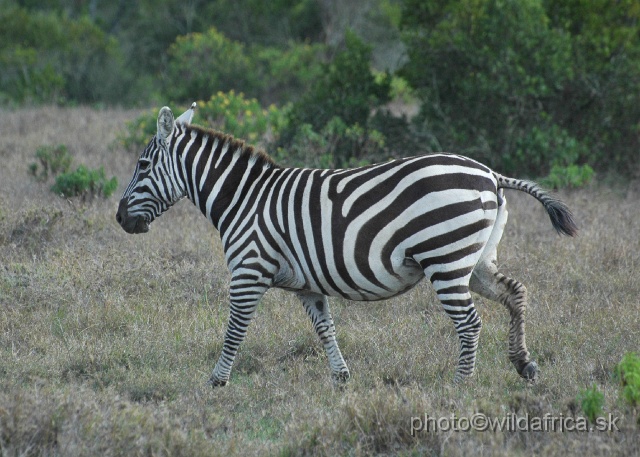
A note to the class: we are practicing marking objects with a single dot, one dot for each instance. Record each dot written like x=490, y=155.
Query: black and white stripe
x=366, y=233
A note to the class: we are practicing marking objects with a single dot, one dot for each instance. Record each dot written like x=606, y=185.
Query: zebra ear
x=185, y=118
x=165, y=123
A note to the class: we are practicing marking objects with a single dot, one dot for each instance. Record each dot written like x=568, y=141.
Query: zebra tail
x=559, y=213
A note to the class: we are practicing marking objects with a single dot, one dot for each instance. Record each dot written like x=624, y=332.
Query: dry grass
x=107, y=339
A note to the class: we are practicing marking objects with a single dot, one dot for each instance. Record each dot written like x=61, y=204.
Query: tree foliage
x=46, y=57
x=336, y=112
x=526, y=85
x=201, y=64
x=534, y=88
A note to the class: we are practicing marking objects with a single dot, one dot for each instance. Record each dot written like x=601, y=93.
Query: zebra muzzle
x=130, y=224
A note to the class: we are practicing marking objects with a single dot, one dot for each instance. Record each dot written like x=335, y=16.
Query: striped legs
x=459, y=307
x=317, y=308
x=247, y=288
x=491, y=284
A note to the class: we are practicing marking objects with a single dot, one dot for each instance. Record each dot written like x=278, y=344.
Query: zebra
x=364, y=234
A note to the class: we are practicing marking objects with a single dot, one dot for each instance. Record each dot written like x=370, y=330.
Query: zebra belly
x=407, y=274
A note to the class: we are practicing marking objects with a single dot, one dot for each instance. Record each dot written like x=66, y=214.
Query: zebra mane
x=247, y=151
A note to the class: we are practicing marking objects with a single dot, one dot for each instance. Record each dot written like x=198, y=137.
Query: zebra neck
x=218, y=171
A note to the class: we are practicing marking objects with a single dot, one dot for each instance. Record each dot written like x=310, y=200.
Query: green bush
x=591, y=401
x=239, y=116
x=287, y=74
x=85, y=183
x=572, y=176
x=52, y=159
x=542, y=147
x=201, y=64
x=139, y=131
x=628, y=372
x=337, y=111
x=55, y=161
x=230, y=112
x=500, y=79
x=484, y=71
x=42, y=61
x=310, y=148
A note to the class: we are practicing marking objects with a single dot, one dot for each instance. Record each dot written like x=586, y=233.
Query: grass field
x=107, y=339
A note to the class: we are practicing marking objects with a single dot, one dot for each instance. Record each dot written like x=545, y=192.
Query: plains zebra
x=365, y=233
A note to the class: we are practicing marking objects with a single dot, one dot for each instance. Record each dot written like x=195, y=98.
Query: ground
x=107, y=339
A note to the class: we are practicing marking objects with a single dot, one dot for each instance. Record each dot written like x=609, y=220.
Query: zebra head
x=156, y=184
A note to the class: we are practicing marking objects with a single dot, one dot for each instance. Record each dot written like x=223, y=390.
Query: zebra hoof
x=461, y=377
x=341, y=377
x=213, y=382
x=530, y=371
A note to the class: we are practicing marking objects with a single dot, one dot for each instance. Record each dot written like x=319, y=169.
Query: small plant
x=229, y=112
x=55, y=161
x=628, y=372
x=591, y=401
x=139, y=131
x=85, y=183
x=51, y=159
x=239, y=116
x=571, y=176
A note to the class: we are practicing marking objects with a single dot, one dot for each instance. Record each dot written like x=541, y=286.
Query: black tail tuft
x=561, y=216
x=559, y=213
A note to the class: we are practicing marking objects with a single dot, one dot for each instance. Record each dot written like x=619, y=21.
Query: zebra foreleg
x=491, y=284
x=317, y=308
x=245, y=295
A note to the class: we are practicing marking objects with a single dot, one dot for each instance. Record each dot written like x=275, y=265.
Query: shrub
x=591, y=401
x=239, y=116
x=85, y=183
x=201, y=64
x=628, y=372
x=541, y=148
x=55, y=161
x=484, y=71
x=230, y=113
x=496, y=76
x=287, y=74
x=52, y=159
x=309, y=148
x=570, y=176
x=338, y=109
x=42, y=62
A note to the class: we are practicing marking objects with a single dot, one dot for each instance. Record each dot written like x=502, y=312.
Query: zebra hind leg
x=317, y=308
x=458, y=305
x=487, y=281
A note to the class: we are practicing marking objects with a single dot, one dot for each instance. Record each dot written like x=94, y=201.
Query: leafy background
x=534, y=88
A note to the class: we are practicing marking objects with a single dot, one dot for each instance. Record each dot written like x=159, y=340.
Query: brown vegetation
x=107, y=339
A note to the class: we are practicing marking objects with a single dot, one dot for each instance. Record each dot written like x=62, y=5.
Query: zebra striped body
x=367, y=233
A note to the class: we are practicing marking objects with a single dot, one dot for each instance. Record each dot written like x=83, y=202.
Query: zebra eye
x=145, y=164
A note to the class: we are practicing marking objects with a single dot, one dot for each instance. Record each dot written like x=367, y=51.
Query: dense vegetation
x=532, y=87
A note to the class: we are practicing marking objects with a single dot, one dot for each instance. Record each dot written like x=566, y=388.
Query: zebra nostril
x=121, y=214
